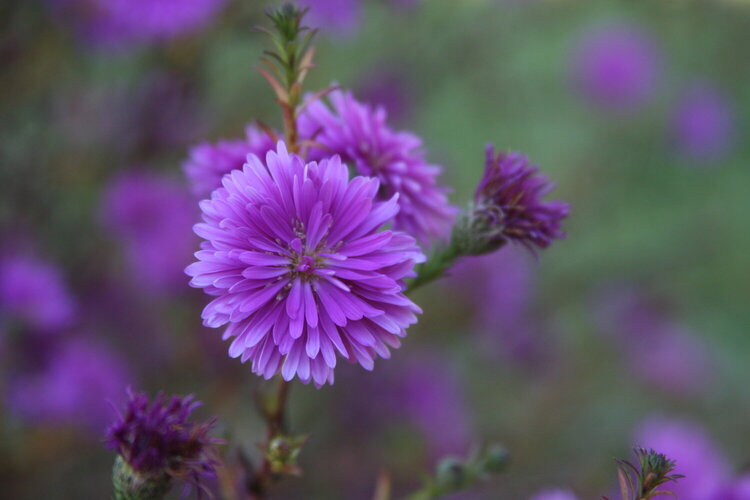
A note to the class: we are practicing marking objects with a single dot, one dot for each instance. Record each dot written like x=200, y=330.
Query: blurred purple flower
x=300, y=271
x=75, y=387
x=499, y=288
x=658, y=350
x=359, y=134
x=696, y=454
x=430, y=395
x=156, y=438
x=122, y=22
x=508, y=202
x=616, y=66
x=703, y=124
x=337, y=17
x=209, y=162
x=151, y=216
x=386, y=87
x=737, y=490
x=554, y=495
x=33, y=291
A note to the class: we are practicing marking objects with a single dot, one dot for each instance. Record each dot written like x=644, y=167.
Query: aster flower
x=300, y=271
x=703, y=124
x=339, y=17
x=73, y=388
x=616, y=66
x=658, y=350
x=121, y=22
x=156, y=444
x=360, y=135
x=508, y=203
x=33, y=291
x=554, y=495
x=151, y=215
x=209, y=162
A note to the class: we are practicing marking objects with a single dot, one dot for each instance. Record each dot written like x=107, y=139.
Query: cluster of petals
x=301, y=271
x=359, y=134
x=156, y=438
x=509, y=198
x=208, y=162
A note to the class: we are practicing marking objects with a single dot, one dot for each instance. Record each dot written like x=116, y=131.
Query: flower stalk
x=286, y=67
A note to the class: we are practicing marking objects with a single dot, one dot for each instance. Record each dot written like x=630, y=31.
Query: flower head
x=508, y=203
x=359, y=134
x=151, y=216
x=33, y=291
x=72, y=388
x=657, y=348
x=209, y=162
x=338, y=17
x=118, y=22
x=704, y=124
x=300, y=269
x=157, y=440
x=616, y=66
x=555, y=495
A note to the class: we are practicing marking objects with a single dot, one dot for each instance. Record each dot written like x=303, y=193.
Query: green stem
x=130, y=485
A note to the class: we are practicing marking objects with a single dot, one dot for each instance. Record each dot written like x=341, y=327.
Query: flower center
x=305, y=264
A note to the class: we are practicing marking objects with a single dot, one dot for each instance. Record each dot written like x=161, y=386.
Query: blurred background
x=633, y=330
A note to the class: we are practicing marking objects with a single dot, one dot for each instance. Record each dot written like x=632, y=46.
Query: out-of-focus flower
x=703, y=124
x=337, y=17
x=157, y=442
x=658, y=350
x=616, y=66
x=33, y=291
x=429, y=394
x=385, y=86
x=299, y=268
x=118, y=22
x=508, y=205
x=159, y=111
x=209, y=162
x=359, y=134
x=499, y=291
x=500, y=285
x=554, y=495
x=737, y=490
x=151, y=216
x=696, y=455
x=75, y=388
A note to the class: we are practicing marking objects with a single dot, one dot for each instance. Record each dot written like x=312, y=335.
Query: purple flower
x=508, y=203
x=121, y=22
x=33, y=291
x=385, y=86
x=430, y=395
x=658, y=350
x=696, y=455
x=359, y=134
x=704, y=124
x=208, y=162
x=554, y=495
x=156, y=438
x=739, y=489
x=300, y=271
x=616, y=66
x=338, y=17
x=499, y=290
x=74, y=388
x=151, y=216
